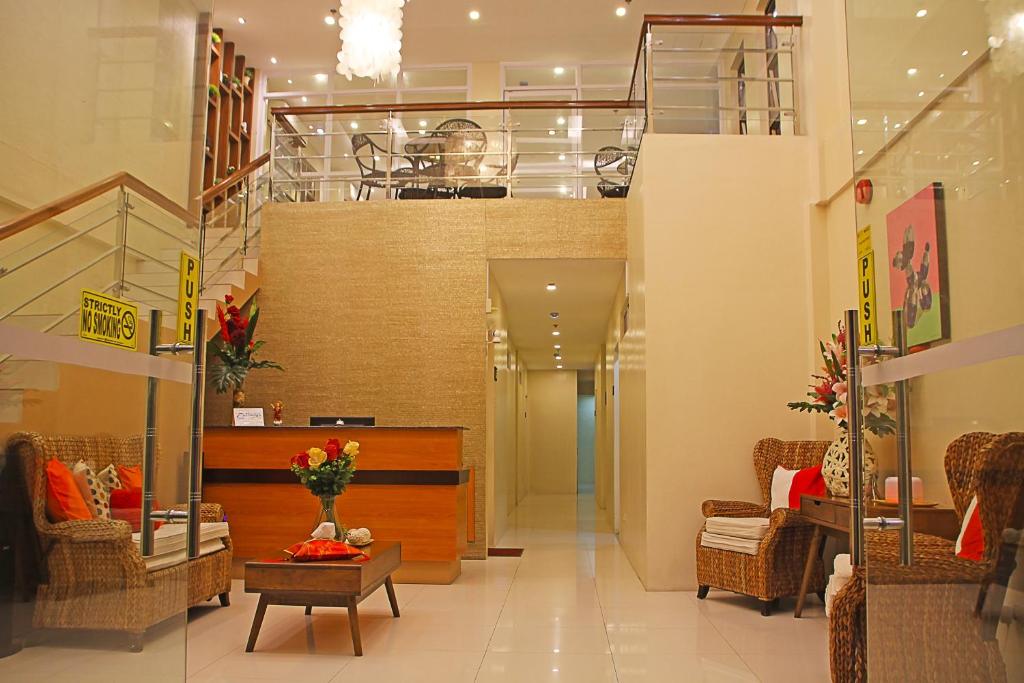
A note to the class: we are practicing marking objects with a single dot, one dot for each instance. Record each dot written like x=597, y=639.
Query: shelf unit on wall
x=230, y=105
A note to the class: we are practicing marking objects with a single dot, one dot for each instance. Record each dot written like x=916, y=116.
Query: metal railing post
x=507, y=132
x=649, y=78
x=202, y=248
x=123, y=205
x=904, y=471
x=854, y=436
x=273, y=150
x=389, y=134
x=245, y=216
x=195, y=479
x=149, y=450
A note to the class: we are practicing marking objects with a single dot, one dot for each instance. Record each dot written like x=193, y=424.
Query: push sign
x=188, y=298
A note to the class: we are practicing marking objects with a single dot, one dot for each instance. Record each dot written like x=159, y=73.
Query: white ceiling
x=440, y=32
x=584, y=298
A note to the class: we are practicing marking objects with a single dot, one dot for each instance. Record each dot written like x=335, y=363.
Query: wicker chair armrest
x=782, y=518
x=208, y=512
x=732, y=508
x=90, y=531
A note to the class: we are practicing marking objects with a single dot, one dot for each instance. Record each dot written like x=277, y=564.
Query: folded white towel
x=738, y=527
x=841, y=566
x=731, y=543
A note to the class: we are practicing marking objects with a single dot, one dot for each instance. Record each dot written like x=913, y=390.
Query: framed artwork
x=918, y=279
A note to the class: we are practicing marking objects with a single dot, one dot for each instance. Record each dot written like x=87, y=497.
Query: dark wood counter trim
x=329, y=427
x=362, y=477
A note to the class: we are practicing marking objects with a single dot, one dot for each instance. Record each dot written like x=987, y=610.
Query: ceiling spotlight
x=273, y=60
x=898, y=126
x=319, y=131
x=241, y=20
x=861, y=122
x=354, y=125
x=561, y=157
x=559, y=367
x=620, y=11
x=860, y=152
x=289, y=81
x=551, y=286
x=474, y=15
x=965, y=53
x=553, y=314
x=551, y=132
x=556, y=333
x=311, y=126
x=423, y=123
x=920, y=93
x=912, y=71
x=330, y=19
x=561, y=120
x=558, y=346
x=320, y=78
x=559, y=70
x=922, y=13
x=305, y=99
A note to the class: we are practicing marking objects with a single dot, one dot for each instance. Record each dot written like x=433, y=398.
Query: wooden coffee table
x=323, y=584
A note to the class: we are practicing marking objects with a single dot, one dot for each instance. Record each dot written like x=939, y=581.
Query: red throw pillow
x=131, y=477
x=970, y=544
x=321, y=550
x=64, y=501
x=126, y=505
x=789, y=485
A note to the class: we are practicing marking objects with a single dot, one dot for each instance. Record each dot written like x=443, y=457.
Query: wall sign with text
x=866, y=286
x=107, y=320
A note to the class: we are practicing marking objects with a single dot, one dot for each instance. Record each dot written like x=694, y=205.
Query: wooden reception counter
x=409, y=486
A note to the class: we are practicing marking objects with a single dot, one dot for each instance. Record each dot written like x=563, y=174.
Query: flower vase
x=835, y=468
x=238, y=398
x=327, y=515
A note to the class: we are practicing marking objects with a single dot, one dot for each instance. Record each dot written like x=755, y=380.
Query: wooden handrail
x=289, y=128
x=456, y=106
x=234, y=178
x=79, y=197
x=706, y=20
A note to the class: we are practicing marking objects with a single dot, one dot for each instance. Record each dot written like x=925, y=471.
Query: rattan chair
x=941, y=607
x=93, y=576
x=614, y=166
x=372, y=160
x=777, y=568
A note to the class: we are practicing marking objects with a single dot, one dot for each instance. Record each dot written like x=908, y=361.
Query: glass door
x=939, y=182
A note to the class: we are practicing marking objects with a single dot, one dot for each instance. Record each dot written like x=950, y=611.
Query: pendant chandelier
x=371, y=38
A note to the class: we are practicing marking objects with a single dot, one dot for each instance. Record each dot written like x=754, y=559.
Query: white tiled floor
x=571, y=609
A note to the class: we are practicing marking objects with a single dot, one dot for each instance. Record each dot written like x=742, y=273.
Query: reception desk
x=409, y=486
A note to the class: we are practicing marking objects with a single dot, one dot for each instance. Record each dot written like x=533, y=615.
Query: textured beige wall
x=377, y=308
x=500, y=380
x=552, y=409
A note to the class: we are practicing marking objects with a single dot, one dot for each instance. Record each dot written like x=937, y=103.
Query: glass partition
x=935, y=98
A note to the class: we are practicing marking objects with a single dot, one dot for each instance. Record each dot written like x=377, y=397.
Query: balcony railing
x=568, y=149
x=718, y=74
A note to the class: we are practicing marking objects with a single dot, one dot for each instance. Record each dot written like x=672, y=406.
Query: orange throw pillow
x=131, y=477
x=64, y=501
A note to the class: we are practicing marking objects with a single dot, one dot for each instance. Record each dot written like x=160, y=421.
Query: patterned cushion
x=108, y=477
x=93, y=490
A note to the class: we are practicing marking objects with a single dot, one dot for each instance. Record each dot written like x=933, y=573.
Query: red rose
x=228, y=298
x=243, y=323
x=232, y=310
x=332, y=449
x=301, y=459
x=238, y=339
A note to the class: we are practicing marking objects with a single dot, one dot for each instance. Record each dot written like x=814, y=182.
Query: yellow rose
x=351, y=448
x=317, y=457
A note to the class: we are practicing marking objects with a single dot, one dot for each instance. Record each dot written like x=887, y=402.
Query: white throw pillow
x=93, y=490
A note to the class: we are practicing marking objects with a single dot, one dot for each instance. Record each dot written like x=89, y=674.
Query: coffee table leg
x=257, y=622
x=812, y=554
x=390, y=586
x=353, y=622
x=309, y=610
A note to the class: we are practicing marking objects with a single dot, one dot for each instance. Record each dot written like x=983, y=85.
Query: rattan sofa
x=93, y=576
x=942, y=608
x=777, y=568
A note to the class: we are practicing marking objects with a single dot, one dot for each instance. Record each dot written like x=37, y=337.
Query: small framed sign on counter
x=247, y=417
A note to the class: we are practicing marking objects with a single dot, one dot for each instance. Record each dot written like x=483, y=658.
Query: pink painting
x=917, y=265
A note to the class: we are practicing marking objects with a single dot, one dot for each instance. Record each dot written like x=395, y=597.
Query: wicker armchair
x=947, y=606
x=93, y=576
x=778, y=567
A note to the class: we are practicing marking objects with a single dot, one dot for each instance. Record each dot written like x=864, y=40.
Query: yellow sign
x=110, y=321
x=188, y=298
x=866, y=284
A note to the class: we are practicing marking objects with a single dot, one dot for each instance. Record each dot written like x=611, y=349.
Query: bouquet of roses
x=326, y=471
x=236, y=349
x=829, y=391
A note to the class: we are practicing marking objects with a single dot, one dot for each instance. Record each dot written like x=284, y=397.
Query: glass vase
x=327, y=514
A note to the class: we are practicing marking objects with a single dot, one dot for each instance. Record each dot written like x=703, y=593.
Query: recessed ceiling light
x=559, y=70
x=556, y=333
x=922, y=13
x=330, y=19
x=965, y=53
x=860, y=152
x=354, y=125
x=558, y=346
x=553, y=314
x=561, y=120
x=942, y=75
x=861, y=122
x=311, y=126
x=920, y=93
x=289, y=81
x=559, y=366
x=551, y=132
x=305, y=99
x=320, y=78
x=898, y=126
x=319, y=131
x=620, y=11
x=423, y=123
x=561, y=157
x=551, y=286
x=241, y=20
x=975, y=163
x=474, y=15
x=912, y=71
x=273, y=60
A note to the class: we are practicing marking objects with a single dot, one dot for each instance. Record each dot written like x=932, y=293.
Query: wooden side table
x=325, y=584
x=831, y=516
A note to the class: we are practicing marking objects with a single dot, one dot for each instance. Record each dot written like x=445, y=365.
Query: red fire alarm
x=863, y=191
